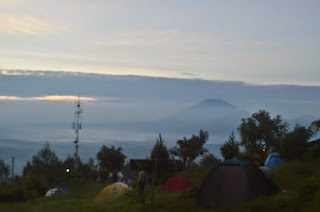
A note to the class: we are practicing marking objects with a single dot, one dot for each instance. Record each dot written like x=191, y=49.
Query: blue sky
x=259, y=42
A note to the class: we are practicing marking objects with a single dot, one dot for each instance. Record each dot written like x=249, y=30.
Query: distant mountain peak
x=214, y=103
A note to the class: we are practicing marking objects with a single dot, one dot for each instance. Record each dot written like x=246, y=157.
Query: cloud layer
x=257, y=42
x=56, y=98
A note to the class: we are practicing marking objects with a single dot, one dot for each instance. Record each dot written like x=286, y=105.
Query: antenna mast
x=76, y=125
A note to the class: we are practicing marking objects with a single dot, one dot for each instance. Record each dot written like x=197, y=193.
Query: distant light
x=67, y=170
x=264, y=150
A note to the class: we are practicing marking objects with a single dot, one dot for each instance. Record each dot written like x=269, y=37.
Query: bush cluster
x=43, y=172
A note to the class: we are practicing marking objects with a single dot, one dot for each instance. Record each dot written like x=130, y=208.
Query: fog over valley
x=137, y=108
x=38, y=107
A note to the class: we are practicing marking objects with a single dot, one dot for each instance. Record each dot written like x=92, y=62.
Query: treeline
x=46, y=171
x=259, y=135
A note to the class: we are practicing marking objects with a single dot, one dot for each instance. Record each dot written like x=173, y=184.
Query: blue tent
x=64, y=190
x=273, y=160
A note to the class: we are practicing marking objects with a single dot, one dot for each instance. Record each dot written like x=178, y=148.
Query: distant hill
x=213, y=104
x=216, y=116
x=214, y=108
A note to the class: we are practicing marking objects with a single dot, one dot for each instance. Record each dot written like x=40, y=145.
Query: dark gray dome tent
x=232, y=183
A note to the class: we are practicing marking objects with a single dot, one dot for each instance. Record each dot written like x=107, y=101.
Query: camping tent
x=55, y=191
x=273, y=160
x=266, y=171
x=64, y=190
x=112, y=190
x=232, y=183
x=52, y=192
x=176, y=183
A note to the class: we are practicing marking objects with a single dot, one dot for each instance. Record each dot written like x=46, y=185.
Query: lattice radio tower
x=77, y=125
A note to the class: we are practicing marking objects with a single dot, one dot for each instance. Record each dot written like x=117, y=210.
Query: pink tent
x=175, y=184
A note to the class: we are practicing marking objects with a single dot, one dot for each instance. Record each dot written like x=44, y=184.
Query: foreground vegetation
x=300, y=179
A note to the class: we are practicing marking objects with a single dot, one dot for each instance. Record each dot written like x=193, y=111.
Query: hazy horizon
x=40, y=105
x=131, y=111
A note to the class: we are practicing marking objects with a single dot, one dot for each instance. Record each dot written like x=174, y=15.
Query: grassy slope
x=300, y=178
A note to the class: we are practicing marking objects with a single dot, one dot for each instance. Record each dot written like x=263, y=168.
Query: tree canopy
x=230, y=148
x=44, y=170
x=189, y=149
x=314, y=127
x=45, y=157
x=209, y=160
x=293, y=144
x=260, y=131
x=159, y=150
x=111, y=158
x=45, y=161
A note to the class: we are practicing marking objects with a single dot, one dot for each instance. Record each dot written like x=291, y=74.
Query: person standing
x=142, y=182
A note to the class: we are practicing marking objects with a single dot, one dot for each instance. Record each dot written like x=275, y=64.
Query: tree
x=69, y=162
x=45, y=162
x=43, y=171
x=4, y=171
x=314, y=127
x=230, y=148
x=45, y=157
x=111, y=158
x=159, y=150
x=293, y=144
x=260, y=132
x=91, y=163
x=209, y=160
x=189, y=149
x=87, y=173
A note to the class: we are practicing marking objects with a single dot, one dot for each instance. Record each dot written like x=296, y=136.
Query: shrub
x=250, y=155
x=316, y=150
x=293, y=144
x=34, y=185
x=307, y=189
x=103, y=175
x=11, y=192
x=209, y=160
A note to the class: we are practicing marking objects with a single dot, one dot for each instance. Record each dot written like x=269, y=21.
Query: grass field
x=301, y=179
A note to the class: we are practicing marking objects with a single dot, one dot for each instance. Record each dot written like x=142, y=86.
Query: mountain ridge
x=213, y=103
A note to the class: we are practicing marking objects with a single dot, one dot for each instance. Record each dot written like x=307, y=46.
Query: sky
x=258, y=42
